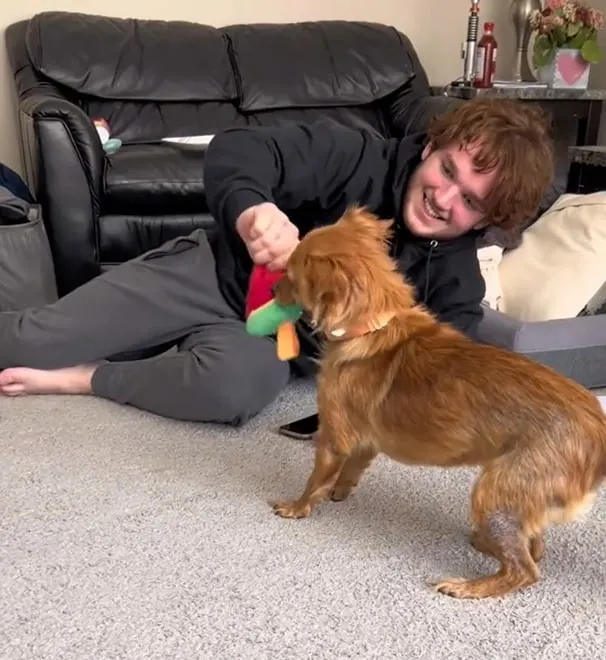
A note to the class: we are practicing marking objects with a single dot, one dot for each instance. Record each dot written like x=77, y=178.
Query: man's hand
x=270, y=237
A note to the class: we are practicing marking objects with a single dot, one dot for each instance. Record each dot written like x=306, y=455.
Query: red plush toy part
x=260, y=288
x=260, y=292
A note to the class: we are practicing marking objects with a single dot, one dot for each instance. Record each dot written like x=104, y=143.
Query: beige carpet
x=128, y=536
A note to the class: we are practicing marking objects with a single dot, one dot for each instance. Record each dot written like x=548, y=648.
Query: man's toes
x=12, y=389
x=7, y=377
x=11, y=383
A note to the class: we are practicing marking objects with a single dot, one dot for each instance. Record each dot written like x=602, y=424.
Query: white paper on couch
x=190, y=140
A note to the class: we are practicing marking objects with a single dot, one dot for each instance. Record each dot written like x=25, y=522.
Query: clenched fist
x=270, y=237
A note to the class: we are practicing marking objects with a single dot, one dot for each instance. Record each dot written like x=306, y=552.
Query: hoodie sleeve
x=291, y=165
x=457, y=290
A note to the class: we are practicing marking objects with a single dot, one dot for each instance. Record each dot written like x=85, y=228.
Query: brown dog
x=395, y=380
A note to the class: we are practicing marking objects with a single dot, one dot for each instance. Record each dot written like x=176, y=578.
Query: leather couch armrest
x=45, y=105
x=64, y=164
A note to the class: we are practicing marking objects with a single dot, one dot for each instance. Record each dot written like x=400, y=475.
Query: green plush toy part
x=265, y=316
x=266, y=320
x=273, y=318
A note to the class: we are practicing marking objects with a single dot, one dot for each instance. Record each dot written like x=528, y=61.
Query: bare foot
x=17, y=381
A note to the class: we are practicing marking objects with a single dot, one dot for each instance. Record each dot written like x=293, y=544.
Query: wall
x=598, y=71
x=436, y=27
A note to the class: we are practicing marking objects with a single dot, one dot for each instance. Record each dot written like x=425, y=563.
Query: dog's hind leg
x=501, y=511
x=535, y=545
x=327, y=467
x=500, y=536
x=352, y=471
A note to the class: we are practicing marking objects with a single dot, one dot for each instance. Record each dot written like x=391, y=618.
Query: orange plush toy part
x=265, y=316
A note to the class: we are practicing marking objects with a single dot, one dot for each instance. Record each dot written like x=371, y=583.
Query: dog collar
x=360, y=329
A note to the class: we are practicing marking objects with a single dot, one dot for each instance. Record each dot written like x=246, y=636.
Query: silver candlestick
x=519, y=13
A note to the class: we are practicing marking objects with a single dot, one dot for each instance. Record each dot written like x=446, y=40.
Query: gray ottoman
x=575, y=347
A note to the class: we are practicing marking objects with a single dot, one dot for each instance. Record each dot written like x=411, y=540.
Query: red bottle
x=486, y=61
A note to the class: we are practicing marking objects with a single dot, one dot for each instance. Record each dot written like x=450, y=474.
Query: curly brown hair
x=512, y=137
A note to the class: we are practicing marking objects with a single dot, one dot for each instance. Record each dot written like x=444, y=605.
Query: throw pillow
x=560, y=265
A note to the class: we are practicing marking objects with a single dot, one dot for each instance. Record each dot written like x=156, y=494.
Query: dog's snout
x=283, y=291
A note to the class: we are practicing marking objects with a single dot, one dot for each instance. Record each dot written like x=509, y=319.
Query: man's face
x=445, y=195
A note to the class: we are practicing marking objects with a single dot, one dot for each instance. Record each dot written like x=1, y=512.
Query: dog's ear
x=367, y=225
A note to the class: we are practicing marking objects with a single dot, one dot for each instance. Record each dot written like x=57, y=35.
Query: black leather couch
x=154, y=79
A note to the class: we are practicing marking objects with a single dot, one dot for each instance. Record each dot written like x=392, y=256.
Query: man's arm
x=457, y=290
x=324, y=162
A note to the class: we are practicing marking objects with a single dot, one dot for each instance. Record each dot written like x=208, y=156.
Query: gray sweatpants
x=168, y=296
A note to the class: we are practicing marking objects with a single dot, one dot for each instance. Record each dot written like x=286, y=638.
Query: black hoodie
x=312, y=173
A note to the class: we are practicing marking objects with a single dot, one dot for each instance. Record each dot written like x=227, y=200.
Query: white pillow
x=561, y=262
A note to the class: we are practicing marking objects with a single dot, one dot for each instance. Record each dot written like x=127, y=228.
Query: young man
x=486, y=162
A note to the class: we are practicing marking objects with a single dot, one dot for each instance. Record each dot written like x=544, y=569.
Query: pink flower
x=596, y=19
x=553, y=21
x=563, y=13
x=581, y=16
x=570, y=10
x=535, y=19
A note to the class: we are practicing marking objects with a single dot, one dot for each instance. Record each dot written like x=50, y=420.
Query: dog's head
x=342, y=275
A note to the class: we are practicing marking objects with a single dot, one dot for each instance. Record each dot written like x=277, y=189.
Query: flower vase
x=519, y=14
x=567, y=70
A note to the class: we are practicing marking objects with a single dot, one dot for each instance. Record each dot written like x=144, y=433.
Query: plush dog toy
x=265, y=316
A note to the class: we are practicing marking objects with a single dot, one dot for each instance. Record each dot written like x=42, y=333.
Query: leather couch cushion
x=155, y=179
x=132, y=59
x=321, y=63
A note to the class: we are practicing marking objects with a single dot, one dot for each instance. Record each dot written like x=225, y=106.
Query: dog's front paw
x=340, y=492
x=292, y=509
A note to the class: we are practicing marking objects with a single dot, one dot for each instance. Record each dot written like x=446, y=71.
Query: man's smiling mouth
x=430, y=208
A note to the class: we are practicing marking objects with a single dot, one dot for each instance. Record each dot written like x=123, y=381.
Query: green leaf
x=573, y=28
x=559, y=35
x=543, y=51
x=590, y=52
x=580, y=38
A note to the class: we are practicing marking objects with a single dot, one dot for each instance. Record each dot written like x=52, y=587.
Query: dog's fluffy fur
x=395, y=380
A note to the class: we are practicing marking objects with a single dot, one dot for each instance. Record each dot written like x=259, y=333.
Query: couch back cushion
x=152, y=79
x=132, y=59
x=140, y=122
x=317, y=64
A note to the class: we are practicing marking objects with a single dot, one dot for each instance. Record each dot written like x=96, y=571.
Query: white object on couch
x=560, y=265
x=490, y=258
x=190, y=140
